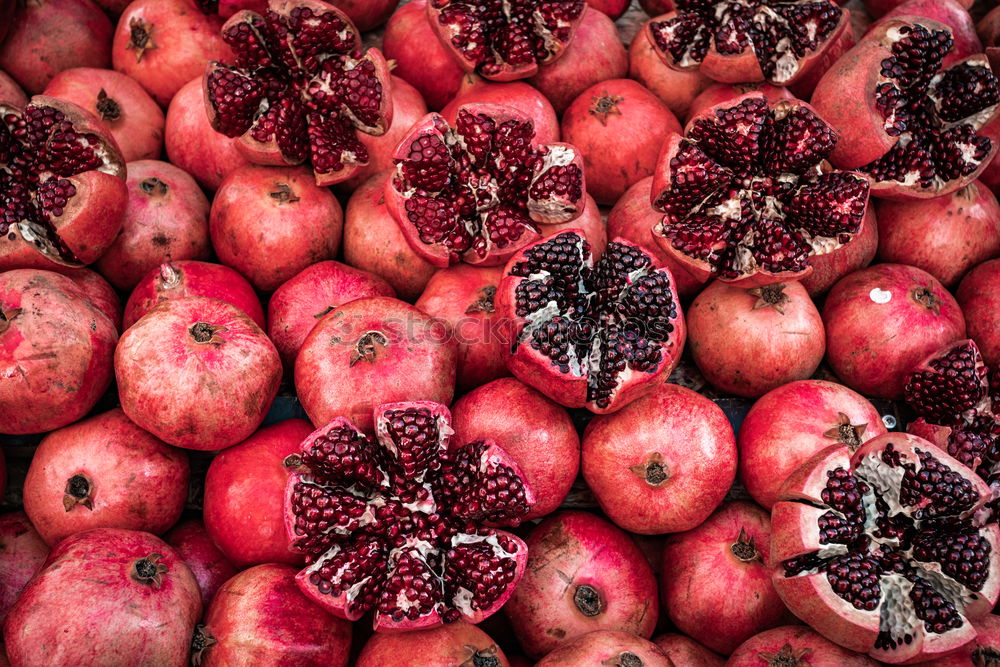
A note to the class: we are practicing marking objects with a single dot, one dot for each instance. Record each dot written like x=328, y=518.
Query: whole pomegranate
x=98, y=291
x=104, y=472
x=269, y=223
x=208, y=564
x=397, y=524
x=977, y=295
x=244, y=495
x=197, y=373
x=517, y=95
x=750, y=341
x=881, y=321
x=259, y=617
x=295, y=307
x=883, y=550
x=583, y=574
x=56, y=352
x=372, y=351
x=141, y=601
x=457, y=643
x=535, y=431
x=187, y=278
x=22, y=552
x=166, y=219
x=661, y=464
x=606, y=647
x=957, y=232
x=366, y=14
x=676, y=88
x=421, y=59
x=794, y=645
x=789, y=424
x=163, y=44
x=9, y=90
x=685, y=651
x=983, y=650
x=611, y=8
x=612, y=115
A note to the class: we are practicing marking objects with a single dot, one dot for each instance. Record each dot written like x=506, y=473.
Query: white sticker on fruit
x=880, y=295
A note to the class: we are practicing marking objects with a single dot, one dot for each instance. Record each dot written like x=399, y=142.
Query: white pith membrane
x=779, y=33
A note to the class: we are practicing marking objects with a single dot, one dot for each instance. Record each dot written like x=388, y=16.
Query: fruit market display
x=498, y=333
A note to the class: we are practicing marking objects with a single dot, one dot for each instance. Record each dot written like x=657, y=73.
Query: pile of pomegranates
x=493, y=333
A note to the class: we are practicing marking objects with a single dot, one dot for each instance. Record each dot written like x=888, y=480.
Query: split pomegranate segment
x=478, y=191
x=300, y=88
x=504, y=40
x=883, y=551
x=595, y=335
x=748, y=195
x=397, y=525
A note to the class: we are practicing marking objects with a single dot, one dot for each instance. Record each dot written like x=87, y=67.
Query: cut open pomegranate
x=300, y=88
x=395, y=524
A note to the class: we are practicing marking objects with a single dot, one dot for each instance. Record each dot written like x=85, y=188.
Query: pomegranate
x=372, y=351
x=683, y=650
x=269, y=223
x=956, y=231
x=878, y=8
x=63, y=202
x=535, y=431
x=141, y=602
x=490, y=148
x=952, y=13
x=611, y=8
x=457, y=643
x=22, y=552
x=193, y=145
x=546, y=300
x=104, y=472
x=166, y=219
x=881, y=321
x=607, y=117
x=163, y=44
x=776, y=174
x=197, y=373
x=977, y=295
x=663, y=463
x=881, y=550
x=56, y=352
x=309, y=107
x=725, y=558
x=657, y=7
x=983, y=650
x=421, y=59
x=366, y=14
x=48, y=37
x=517, y=95
x=185, y=278
x=856, y=254
x=503, y=41
x=373, y=241
x=10, y=92
x=98, y=291
x=792, y=646
x=583, y=574
x=597, y=54
x=259, y=617
x=914, y=130
x=676, y=88
x=208, y=564
x=789, y=424
x=296, y=306
x=750, y=341
x=607, y=647
x=244, y=495
x=394, y=524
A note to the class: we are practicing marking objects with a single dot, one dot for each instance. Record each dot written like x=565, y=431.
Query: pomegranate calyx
x=624, y=659
x=786, y=657
x=149, y=570
x=284, y=194
x=368, y=347
x=985, y=656
x=770, y=296
x=484, y=303
x=293, y=461
x=653, y=471
x=847, y=433
x=605, y=105
x=140, y=38
x=7, y=316
x=78, y=488
x=107, y=107
x=207, y=333
x=925, y=297
x=744, y=548
x=201, y=642
x=588, y=600
x=486, y=657
x=153, y=184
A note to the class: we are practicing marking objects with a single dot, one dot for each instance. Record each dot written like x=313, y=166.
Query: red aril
x=606, y=647
x=677, y=88
x=719, y=93
x=421, y=60
x=22, y=552
x=366, y=14
x=10, y=91
x=790, y=645
x=977, y=295
x=457, y=643
x=952, y=13
x=517, y=95
x=685, y=651
x=209, y=566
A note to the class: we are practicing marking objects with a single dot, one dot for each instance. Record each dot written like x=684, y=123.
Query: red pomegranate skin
x=244, y=495
x=750, y=341
x=981, y=651
x=979, y=296
x=607, y=117
x=125, y=109
x=269, y=223
x=858, y=253
x=260, y=617
x=366, y=14
x=536, y=431
x=662, y=463
x=22, y=552
x=208, y=564
x=197, y=373
x=606, y=647
x=514, y=94
x=953, y=13
x=612, y=8
x=10, y=91
x=459, y=643
x=166, y=220
x=123, y=614
x=583, y=574
x=881, y=321
x=676, y=88
x=98, y=291
x=788, y=425
x=715, y=580
x=191, y=143
x=187, y=278
x=685, y=651
x=295, y=307
x=719, y=93
x=56, y=352
x=131, y=479
x=421, y=58
x=370, y=352
x=791, y=642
